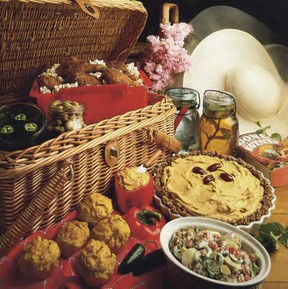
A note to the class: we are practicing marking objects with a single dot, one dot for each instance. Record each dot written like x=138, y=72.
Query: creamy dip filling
x=220, y=199
x=131, y=179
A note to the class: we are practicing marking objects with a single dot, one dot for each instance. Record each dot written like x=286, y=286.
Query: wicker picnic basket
x=35, y=33
x=40, y=185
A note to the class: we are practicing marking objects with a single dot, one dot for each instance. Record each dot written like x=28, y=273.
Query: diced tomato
x=246, y=270
x=247, y=278
x=231, y=250
x=212, y=245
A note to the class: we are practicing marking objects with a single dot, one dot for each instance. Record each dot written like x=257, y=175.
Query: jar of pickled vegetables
x=218, y=124
x=186, y=121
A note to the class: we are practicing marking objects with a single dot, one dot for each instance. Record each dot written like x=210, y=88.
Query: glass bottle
x=218, y=124
x=186, y=122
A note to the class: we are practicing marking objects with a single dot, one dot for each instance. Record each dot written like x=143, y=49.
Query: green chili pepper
x=150, y=261
x=20, y=116
x=7, y=129
x=131, y=259
x=134, y=256
x=30, y=126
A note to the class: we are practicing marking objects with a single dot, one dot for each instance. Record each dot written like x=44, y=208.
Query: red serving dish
x=101, y=102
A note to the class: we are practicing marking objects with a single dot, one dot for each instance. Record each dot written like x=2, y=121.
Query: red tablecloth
x=66, y=277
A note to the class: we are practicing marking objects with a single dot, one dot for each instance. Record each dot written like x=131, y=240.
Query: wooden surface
x=278, y=277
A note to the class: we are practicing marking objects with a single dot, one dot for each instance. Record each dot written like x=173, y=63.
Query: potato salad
x=213, y=255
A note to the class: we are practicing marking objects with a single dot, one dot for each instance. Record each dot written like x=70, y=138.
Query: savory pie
x=212, y=185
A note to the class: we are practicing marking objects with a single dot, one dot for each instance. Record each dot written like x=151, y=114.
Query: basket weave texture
x=34, y=194
x=23, y=173
x=37, y=33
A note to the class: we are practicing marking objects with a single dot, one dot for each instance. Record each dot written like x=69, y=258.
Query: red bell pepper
x=127, y=199
x=145, y=222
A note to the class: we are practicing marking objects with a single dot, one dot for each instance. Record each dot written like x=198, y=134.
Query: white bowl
x=251, y=228
x=179, y=276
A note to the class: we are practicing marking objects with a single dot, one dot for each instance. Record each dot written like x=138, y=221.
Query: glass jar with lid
x=218, y=124
x=186, y=122
x=64, y=116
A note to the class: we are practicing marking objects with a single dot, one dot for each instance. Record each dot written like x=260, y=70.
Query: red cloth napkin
x=66, y=277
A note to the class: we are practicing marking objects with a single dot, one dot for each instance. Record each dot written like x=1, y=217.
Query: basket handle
x=169, y=11
x=34, y=209
x=88, y=8
x=165, y=140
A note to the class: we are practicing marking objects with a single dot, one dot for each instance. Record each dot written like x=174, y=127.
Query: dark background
x=273, y=13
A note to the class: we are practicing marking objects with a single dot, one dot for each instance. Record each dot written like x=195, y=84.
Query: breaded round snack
x=72, y=236
x=38, y=259
x=96, y=263
x=94, y=207
x=113, y=230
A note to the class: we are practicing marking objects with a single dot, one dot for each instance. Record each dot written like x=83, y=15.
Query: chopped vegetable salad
x=213, y=255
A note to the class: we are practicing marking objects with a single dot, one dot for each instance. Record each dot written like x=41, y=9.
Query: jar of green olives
x=218, y=124
x=65, y=115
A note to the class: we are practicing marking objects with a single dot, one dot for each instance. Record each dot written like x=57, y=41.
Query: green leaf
x=258, y=131
x=258, y=123
x=284, y=239
x=262, y=130
x=269, y=243
x=276, y=136
x=274, y=227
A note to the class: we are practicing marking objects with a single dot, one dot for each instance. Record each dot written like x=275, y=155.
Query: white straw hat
x=234, y=61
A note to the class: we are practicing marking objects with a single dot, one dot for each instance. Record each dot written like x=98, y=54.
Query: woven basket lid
x=38, y=33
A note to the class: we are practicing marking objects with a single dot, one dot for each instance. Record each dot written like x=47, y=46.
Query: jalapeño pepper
x=131, y=260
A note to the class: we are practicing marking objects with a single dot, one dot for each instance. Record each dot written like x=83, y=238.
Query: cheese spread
x=131, y=179
x=213, y=187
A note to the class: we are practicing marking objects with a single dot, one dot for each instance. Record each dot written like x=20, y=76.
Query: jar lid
x=182, y=96
x=218, y=98
x=219, y=101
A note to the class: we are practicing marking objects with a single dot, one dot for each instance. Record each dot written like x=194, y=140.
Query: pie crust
x=183, y=204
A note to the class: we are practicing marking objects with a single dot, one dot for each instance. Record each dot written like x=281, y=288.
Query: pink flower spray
x=165, y=56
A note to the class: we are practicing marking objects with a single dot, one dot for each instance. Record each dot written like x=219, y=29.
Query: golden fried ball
x=96, y=263
x=39, y=258
x=72, y=236
x=113, y=230
x=95, y=207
